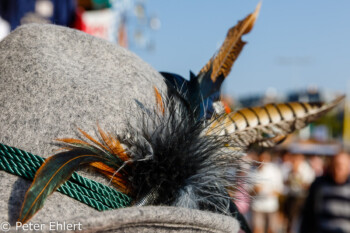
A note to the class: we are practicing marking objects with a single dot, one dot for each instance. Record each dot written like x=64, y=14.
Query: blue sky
x=293, y=45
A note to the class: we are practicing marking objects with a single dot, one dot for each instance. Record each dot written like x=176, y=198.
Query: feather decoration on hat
x=166, y=159
x=170, y=158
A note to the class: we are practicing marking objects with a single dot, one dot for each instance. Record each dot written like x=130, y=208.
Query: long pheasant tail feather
x=55, y=171
x=222, y=62
x=269, y=124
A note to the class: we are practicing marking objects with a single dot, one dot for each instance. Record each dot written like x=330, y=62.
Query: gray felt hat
x=53, y=80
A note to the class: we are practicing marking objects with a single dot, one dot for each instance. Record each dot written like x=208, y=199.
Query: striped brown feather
x=273, y=112
x=269, y=124
x=222, y=62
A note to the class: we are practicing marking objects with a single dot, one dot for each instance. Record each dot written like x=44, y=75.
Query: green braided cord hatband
x=89, y=192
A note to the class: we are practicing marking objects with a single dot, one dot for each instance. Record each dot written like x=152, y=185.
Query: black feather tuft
x=174, y=162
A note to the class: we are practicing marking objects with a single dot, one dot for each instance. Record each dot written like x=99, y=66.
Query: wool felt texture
x=53, y=80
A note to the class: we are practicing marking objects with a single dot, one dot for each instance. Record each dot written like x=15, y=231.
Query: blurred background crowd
x=303, y=184
x=298, y=190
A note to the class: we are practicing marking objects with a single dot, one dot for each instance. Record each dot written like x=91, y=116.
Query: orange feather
x=93, y=140
x=72, y=141
x=159, y=100
x=116, y=178
x=113, y=145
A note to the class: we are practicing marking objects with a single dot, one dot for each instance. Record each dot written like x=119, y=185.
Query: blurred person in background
x=317, y=164
x=285, y=165
x=297, y=183
x=327, y=208
x=265, y=202
x=242, y=197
